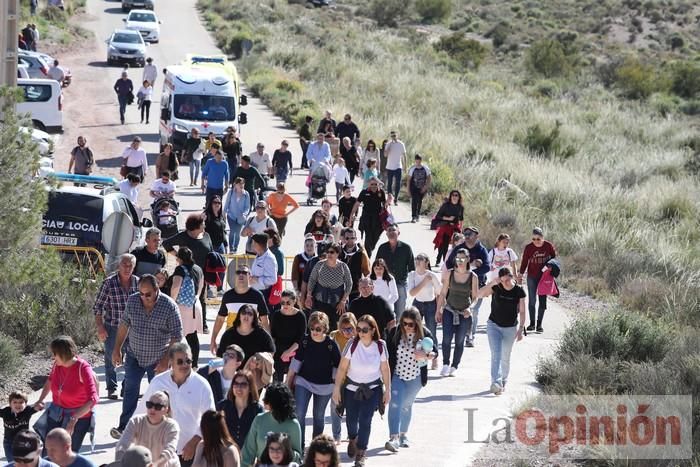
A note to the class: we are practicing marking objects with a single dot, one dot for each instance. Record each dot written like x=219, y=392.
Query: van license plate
x=56, y=240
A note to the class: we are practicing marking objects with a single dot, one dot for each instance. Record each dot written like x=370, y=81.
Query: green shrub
x=390, y=12
x=546, y=143
x=434, y=11
x=692, y=163
x=9, y=356
x=690, y=107
x=548, y=58
x=685, y=80
x=635, y=79
x=664, y=104
x=234, y=45
x=546, y=88
x=469, y=53
x=499, y=34
x=675, y=208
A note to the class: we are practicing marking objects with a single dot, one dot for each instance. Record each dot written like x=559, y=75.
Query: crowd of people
x=356, y=334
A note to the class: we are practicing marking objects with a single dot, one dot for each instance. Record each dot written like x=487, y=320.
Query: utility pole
x=9, y=20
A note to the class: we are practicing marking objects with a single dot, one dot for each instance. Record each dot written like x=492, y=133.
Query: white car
x=43, y=140
x=146, y=22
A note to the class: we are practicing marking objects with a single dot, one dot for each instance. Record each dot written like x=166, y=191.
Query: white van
x=198, y=97
x=43, y=101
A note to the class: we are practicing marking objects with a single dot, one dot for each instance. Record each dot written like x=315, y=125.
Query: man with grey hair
x=190, y=396
x=150, y=258
x=58, y=449
x=109, y=308
x=152, y=321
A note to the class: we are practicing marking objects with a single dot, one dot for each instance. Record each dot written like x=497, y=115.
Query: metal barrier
x=82, y=256
x=234, y=261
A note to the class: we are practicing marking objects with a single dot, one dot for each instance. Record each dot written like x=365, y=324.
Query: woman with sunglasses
x=370, y=152
x=153, y=430
x=384, y=282
x=281, y=206
x=215, y=225
x=247, y=333
x=424, y=286
x=329, y=285
x=535, y=256
x=311, y=372
x=344, y=334
x=373, y=201
x=287, y=328
x=365, y=366
x=505, y=325
x=459, y=289
x=319, y=226
x=217, y=448
x=406, y=354
x=280, y=418
x=190, y=397
x=449, y=219
x=241, y=406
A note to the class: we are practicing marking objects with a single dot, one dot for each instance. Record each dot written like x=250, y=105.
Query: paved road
x=439, y=429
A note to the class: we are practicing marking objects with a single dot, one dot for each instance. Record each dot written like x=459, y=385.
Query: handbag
x=547, y=285
x=386, y=218
x=276, y=292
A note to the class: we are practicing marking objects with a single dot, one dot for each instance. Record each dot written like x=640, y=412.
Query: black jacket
x=214, y=380
x=392, y=348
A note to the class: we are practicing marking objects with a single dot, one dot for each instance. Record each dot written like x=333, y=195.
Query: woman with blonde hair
x=344, y=334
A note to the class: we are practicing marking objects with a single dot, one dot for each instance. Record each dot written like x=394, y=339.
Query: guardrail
x=83, y=256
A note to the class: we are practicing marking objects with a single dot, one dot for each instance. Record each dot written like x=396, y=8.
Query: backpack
x=419, y=177
x=356, y=341
x=187, y=296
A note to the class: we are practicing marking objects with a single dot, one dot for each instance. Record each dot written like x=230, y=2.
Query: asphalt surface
x=440, y=431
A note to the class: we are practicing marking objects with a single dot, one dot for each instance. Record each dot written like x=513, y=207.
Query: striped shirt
x=111, y=299
x=331, y=278
x=150, y=334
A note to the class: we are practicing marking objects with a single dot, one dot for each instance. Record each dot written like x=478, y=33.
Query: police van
x=202, y=93
x=95, y=216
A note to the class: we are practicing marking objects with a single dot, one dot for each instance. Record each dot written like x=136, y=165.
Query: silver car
x=125, y=45
x=37, y=67
x=129, y=4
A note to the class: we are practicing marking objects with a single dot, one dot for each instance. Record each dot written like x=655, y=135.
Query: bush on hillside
x=685, y=80
x=692, y=163
x=389, y=12
x=636, y=80
x=499, y=34
x=546, y=143
x=433, y=11
x=9, y=356
x=548, y=58
x=469, y=53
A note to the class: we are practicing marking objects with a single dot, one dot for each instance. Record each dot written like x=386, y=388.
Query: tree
x=549, y=59
x=468, y=52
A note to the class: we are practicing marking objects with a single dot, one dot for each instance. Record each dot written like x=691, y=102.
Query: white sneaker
x=496, y=388
x=453, y=371
x=445, y=371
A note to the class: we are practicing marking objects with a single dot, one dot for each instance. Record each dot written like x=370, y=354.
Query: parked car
x=37, y=67
x=22, y=70
x=43, y=140
x=146, y=22
x=43, y=101
x=125, y=45
x=129, y=4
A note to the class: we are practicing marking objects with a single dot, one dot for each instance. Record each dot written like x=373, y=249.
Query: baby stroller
x=318, y=179
x=164, y=212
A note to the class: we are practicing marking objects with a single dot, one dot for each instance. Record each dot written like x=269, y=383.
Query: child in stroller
x=319, y=177
x=164, y=212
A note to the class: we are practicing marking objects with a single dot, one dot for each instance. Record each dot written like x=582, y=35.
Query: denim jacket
x=238, y=209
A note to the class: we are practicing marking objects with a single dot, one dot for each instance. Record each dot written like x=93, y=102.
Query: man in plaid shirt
x=152, y=321
x=109, y=308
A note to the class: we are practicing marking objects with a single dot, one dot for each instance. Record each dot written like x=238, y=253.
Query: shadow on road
x=145, y=137
x=112, y=162
x=98, y=64
x=114, y=10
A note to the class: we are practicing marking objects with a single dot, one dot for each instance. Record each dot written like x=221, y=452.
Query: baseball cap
x=538, y=231
x=25, y=444
x=471, y=229
x=135, y=456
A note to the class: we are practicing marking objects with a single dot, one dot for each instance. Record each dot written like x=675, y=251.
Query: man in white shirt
x=261, y=160
x=190, y=396
x=56, y=72
x=150, y=72
x=394, y=152
x=263, y=271
x=163, y=187
x=130, y=187
x=135, y=158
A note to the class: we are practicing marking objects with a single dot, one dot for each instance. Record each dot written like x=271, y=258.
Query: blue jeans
x=393, y=182
x=403, y=393
x=501, y=343
x=400, y=303
x=82, y=427
x=122, y=106
x=194, y=170
x=110, y=371
x=336, y=422
x=459, y=332
x=358, y=416
x=234, y=234
x=427, y=311
x=532, y=297
x=7, y=446
x=303, y=396
x=133, y=374
x=475, y=319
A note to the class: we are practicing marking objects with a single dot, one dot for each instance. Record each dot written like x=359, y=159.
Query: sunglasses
x=536, y=239
x=24, y=460
x=184, y=361
x=217, y=202
x=154, y=405
x=409, y=324
x=146, y=294
x=318, y=330
x=244, y=273
x=347, y=330
x=247, y=313
x=364, y=330
x=240, y=384
x=460, y=260
x=331, y=252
